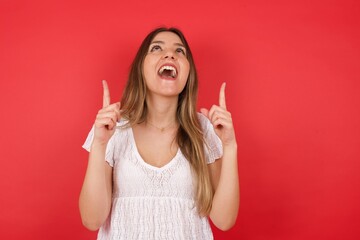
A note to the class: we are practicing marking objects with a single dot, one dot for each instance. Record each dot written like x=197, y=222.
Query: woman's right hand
x=106, y=119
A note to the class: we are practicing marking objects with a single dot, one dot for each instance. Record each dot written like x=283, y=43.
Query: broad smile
x=168, y=71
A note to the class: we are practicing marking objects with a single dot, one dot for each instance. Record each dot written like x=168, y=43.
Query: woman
x=157, y=168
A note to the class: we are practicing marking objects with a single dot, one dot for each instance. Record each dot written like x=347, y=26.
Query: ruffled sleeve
x=213, y=145
x=109, y=154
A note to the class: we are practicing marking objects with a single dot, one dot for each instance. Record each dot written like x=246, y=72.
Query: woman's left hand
x=221, y=119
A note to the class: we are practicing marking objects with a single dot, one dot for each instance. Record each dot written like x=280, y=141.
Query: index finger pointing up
x=106, y=95
x=222, y=102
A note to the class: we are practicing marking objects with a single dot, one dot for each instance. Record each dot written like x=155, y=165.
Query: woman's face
x=166, y=68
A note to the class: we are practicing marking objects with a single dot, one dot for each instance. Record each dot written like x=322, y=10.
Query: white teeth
x=170, y=68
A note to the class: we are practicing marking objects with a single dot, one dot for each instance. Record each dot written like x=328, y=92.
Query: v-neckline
x=142, y=161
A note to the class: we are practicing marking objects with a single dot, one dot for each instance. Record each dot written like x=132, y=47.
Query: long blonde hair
x=190, y=135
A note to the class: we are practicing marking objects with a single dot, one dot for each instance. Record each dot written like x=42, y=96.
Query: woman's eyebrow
x=162, y=42
x=179, y=44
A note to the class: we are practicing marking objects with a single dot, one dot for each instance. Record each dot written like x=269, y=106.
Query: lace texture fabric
x=151, y=202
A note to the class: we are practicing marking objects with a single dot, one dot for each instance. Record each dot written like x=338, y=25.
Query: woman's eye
x=180, y=50
x=155, y=48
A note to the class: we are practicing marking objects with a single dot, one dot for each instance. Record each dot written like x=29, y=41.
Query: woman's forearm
x=227, y=193
x=96, y=192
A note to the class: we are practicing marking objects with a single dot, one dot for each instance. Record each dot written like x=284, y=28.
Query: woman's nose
x=169, y=54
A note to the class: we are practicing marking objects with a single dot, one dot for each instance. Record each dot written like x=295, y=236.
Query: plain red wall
x=292, y=73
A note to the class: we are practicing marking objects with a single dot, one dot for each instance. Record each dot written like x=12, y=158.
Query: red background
x=292, y=73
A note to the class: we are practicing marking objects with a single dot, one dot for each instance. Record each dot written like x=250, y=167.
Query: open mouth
x=168, y=71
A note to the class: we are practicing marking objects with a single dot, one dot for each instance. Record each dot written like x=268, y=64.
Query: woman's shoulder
x=123, y=123
x=204, y=121
x=122, y=128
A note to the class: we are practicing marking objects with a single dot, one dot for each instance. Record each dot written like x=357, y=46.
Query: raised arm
x=96, y=192
x=224, y=172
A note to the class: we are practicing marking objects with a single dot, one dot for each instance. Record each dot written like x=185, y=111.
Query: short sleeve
x=213, y=145
x=109, y=154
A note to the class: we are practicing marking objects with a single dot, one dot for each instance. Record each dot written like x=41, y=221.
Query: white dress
x=150, y=202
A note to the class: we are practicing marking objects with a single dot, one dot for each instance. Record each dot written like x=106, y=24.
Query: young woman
x=157, y=169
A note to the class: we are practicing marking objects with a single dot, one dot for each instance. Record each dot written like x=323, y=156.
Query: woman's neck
x=161, y=111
